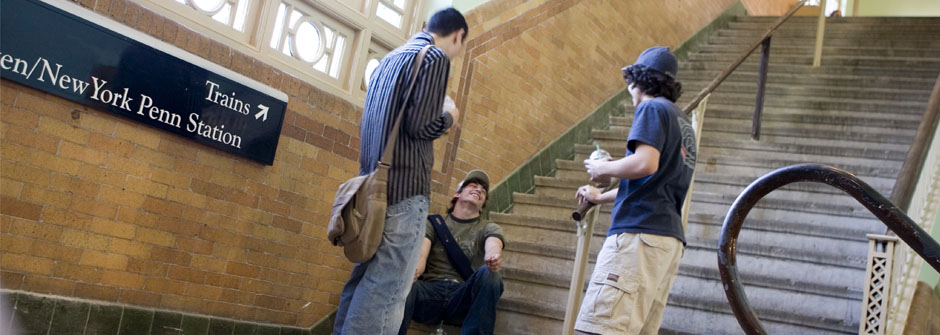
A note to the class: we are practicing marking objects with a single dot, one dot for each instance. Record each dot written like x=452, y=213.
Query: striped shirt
x=424, y=121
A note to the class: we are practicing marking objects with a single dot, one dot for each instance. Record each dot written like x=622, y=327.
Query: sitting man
x=449, y=290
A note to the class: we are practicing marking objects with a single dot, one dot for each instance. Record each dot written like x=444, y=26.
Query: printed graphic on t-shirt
x=688, y=142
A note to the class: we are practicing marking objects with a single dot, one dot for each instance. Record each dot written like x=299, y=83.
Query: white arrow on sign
x=263, y=113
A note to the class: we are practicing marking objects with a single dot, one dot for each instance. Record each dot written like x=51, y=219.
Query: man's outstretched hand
x=494, y=261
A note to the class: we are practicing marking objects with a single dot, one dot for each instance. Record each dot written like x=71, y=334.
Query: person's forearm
x=493, y=245
x=423, y=258
x=631, y=167
x=607, y=197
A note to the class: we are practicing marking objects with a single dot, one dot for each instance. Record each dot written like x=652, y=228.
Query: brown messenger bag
x=357, y=219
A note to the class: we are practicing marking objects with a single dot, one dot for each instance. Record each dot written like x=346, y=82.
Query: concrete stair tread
x=776, y=100
x=533, y=308
x=743, y=181
x=821, y=131
x=785, y=89
x=712, y=179
x=785, y=57
x=769, y=140
x=689, y=317
x=719, y=109
x=804, y=153
x=709, y=271
x=749, y=75
x=771, y=318
x=786, y=204
x=833, y=33
x=567, y=253
x=723, y=161
x=787, y=305
x=807, y=69
x=739, y=43
x=834, y=26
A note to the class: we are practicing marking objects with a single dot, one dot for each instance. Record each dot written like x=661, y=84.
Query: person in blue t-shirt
x=640, y=257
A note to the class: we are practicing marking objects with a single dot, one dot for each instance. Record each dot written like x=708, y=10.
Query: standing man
x=640, y=257
x=465, y=297
x=373, y=298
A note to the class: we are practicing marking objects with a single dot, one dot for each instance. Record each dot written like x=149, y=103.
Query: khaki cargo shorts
x=628, y=290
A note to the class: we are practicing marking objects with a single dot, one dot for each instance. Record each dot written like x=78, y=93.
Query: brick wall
x=98, y=207
x=768, y=7
x=532, y=69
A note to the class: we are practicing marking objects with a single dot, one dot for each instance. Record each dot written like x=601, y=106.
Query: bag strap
x=393, y=136
x=454, y=253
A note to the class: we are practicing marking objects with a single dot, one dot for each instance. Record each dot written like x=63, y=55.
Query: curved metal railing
x=896, y=220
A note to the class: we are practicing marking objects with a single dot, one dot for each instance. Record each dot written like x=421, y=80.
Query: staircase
x=803, y=248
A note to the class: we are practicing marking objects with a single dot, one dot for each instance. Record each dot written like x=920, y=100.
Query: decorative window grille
x=333, y=44
x=312, y=39
x=222, y=11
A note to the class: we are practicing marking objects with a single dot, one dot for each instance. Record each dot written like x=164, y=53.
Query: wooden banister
x=914, y=162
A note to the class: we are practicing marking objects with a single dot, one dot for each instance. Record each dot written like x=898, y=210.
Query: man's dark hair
x=447, y=21
x=478, y=181
x=652, y=82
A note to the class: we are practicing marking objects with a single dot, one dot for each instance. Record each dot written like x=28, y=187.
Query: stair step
x=741, y=43
x=835, y=34
x=781, y=274
x=769, y=142
x=787, y=89
x=749, y=75
x=718, y=108
x=776, y=131
x=751, y=151
x=762, y=212
x=771, y=129
x=831, y=207
x=829, y=50
x=700, y=316
x=814, y=102
x=719, y=162
x=854, y=20
x=562, y=256
x=830, y=60
x=735, y=184
x=833, y=25
x=808, y=69
x=561, y=187
x=780, y=305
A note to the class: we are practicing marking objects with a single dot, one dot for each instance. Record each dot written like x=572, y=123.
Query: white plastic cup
x=600, y=154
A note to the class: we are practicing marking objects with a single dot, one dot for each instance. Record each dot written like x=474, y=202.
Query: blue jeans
x=471, y=304
x=373, y=298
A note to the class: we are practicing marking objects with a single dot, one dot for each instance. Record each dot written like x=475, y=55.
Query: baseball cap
x=476, y=174
x=659, y=59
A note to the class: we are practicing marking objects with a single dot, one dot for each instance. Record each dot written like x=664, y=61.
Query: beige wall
x=767, y=7
x=898, y=8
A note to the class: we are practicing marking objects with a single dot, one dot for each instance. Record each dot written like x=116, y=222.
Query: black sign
x=63, y=49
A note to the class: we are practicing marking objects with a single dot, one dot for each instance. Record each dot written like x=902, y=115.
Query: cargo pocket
x=657, y=241
x=612, y=297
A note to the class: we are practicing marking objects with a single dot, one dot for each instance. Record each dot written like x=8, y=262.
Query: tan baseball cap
x=479, y=175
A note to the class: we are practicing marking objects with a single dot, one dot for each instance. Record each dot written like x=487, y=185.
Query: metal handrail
x=914, y=162
x=892, y=216
x=727, y=72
